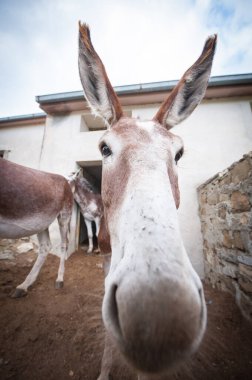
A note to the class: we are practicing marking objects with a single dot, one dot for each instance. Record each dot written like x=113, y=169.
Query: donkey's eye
x=105, y=150
x=179, y=154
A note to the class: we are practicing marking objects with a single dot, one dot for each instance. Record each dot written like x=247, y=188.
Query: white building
x=65, y=137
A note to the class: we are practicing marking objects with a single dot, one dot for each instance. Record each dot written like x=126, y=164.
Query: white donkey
x=153, y=308
x=30, y=200
x=90, y=204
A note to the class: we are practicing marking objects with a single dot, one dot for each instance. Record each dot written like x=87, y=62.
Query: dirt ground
x=57, y=334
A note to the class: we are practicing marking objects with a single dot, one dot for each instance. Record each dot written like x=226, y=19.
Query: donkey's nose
x=155, y=323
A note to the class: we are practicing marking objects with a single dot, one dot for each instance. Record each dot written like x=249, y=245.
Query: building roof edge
x=215, y=81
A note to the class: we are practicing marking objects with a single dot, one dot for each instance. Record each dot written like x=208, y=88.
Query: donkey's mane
x=86, y=184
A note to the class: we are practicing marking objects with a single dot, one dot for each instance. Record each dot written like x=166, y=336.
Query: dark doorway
x=94, y=175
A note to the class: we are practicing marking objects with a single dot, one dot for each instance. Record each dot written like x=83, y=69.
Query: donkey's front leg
x=90, y=235
x=44, y=248
x=107, y=360
x=97, y=225
x=63, y=220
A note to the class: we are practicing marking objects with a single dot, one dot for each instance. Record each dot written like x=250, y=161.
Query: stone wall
x=226, y=222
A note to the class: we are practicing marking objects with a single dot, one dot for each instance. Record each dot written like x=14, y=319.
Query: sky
x=139, y=41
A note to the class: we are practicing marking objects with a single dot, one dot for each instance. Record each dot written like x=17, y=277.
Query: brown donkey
x=153, y=308
x=30, y=200
x=90, y=204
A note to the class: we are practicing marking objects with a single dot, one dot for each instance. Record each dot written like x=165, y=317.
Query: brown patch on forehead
x=174, y=184
x=114, y=184
x=103, y=237
x=173, y=177
x=128, y=129
x=170, y=165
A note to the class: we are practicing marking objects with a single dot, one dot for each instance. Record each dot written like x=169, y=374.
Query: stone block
x=222, y=212
x=240, y=171
x=245, y=277
x=240, y=202
x=213, y=197
x=245, y=285
x=5, y=242
x=244, y=219
x=246, y=271
x=243, y=259
x=247, y=241
x=6, y=255
x=210, y=258
x=240, y=221
x=225, y=180
x=238, y=240
x=205, y=244
x=227, y=239
x=24, y=247
x=230, y=270
x=229, y=255
x=26, y=238
x=204, y=227
x=203, y=211
x=203, y=197
x=224, y=197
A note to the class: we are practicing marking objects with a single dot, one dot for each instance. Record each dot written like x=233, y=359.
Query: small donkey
x=90, y=204
x=30, y=200
x=154, y=308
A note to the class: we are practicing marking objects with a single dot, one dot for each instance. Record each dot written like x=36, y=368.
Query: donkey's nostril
x=112, y=310
x=113, y=303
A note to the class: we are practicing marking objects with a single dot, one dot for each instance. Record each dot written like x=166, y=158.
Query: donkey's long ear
x=97, y=88
x=190, y=90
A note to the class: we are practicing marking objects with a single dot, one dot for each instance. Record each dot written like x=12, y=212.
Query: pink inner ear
x=190, y=90
x=97, y=87
x=163, y=111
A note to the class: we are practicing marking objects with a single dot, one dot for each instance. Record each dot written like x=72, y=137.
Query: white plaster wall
x=23, y=143
x=145, y=112
x=65, y=144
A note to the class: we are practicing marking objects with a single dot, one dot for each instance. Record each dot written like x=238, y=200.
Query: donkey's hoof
x=59, y=284
x=18, y=293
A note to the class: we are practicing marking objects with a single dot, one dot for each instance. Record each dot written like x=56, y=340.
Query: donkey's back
x=30, y=199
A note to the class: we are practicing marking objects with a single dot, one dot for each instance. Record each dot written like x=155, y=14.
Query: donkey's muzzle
x=156, y=323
